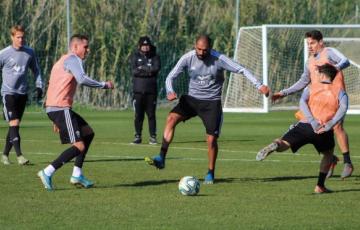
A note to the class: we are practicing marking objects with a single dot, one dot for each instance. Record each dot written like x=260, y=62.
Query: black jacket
x=144, y=69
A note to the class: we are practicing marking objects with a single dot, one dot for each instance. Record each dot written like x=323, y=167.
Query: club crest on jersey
x=205, y=80
x=17, y=68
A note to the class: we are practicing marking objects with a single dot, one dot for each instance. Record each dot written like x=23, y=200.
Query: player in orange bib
x=323, y=107
x=320, y=55
x=66, y=74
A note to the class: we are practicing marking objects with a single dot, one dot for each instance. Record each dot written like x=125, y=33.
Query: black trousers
x=145, y=103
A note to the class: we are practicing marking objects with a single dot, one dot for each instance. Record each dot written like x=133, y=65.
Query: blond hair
x=16, y=28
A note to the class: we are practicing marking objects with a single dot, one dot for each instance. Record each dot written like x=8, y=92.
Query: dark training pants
x=145, y=103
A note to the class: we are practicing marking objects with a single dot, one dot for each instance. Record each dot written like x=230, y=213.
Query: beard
x=203, y=56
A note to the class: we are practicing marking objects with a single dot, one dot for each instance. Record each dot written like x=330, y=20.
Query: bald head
x=202, y=46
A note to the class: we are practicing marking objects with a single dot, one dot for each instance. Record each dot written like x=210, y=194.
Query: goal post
x=276, y=55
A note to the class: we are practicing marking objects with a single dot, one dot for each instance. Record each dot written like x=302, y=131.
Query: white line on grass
x=186, y=158
x=184, y=148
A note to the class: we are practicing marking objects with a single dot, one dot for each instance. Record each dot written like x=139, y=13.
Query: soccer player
x=145, y=65
x=66, y=73
x=15, y=60
x=205, y=68
x=319, y=55
x=323, y=104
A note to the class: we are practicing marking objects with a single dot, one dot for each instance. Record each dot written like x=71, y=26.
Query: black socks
x=347, y=157
x=65, y=157
x=81, y=157
x=164, y=148
x=321, y=179
x=15, y=139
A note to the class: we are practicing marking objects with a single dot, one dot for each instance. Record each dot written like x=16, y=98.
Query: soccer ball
x=189, y=186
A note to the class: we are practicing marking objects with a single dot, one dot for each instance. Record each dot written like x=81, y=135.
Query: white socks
x=76, y=172
x=49, y=170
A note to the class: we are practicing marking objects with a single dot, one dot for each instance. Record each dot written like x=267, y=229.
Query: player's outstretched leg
x=263, y=153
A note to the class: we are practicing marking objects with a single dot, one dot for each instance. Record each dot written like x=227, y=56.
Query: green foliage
x=115, y=26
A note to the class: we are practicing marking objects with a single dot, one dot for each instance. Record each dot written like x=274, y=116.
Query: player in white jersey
x=205, y=68
x=15, y=60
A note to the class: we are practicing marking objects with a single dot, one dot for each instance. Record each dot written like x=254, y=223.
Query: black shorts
x=209, y=111
x=14, y=106
x=302, y=134
x=70, y=125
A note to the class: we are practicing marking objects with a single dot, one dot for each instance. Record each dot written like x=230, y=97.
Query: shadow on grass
x=114, y=159
x=217, y=181
x=257, y=179
x=148, y=183
x=347, y=190
x=108, y=160
x=280, y=178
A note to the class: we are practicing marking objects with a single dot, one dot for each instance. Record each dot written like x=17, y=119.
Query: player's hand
x=277, y=96
x=109, y=85
x=56, y=129
x=316, y=125
x=321, y=130
x=171, y=96
x=264, y=90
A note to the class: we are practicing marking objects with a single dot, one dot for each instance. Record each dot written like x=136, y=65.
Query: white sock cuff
x=49, y=170
x=76, y=171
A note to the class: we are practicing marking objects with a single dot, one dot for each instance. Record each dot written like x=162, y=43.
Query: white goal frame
x=265, y=105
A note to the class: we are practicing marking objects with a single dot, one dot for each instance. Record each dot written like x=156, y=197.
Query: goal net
x=276, y=55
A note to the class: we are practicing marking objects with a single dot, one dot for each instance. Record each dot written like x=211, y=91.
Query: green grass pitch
x=273, y=194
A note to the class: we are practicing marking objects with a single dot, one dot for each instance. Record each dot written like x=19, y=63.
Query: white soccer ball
x=189, y=186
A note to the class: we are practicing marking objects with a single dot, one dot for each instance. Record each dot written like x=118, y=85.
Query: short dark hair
x=314, y=34
x=79, y=37
x=329, y=70
x=204, y=37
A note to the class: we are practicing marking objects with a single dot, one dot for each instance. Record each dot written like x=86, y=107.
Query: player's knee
x=328, y=156
x=151, y=116
x=80, y=145
x=211, y=140
x=172, y=119
x=139, y=116
x=15, y=122
x=282, y=145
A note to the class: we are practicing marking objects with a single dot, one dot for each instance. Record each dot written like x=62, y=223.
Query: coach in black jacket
x=145, y=65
